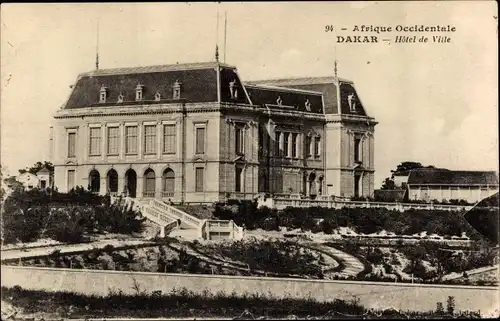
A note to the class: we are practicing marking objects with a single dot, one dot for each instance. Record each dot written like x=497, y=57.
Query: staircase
x=171, y=219
x=165, y=222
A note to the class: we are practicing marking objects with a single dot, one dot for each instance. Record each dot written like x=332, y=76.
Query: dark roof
x=449, y=177
x=401, y=173
x=290, y=98
x=328, y=87
x=198, y=84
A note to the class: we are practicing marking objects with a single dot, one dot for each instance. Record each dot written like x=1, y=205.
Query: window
x=131, y=140
x=102, y=94
x=95, y=141
x=169, y=141
x=112, y=181
x=94, y=181
x=71, y=144
x=138, y=92
x=317, y=142
x=309, y=146
x=294, y=145
x=177, y=90
x=199, y=179
x=113, y=140
x=200, y=140
x=357, y=145
x=168, y=183
x=237, y=180
x=149, y=139
x=261, y=141
x=277, y=151
x=149, y=183
x=239, y=141
x=286, y=143
x=71, y=180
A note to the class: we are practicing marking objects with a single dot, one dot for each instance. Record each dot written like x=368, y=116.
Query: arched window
x=312, y=185
x=149, y=183
x=130, y=183
x=94, y=181
x=168, y=187
x=112, y=182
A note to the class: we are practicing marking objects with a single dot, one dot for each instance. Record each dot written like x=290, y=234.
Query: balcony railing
x=167, y=194
x=148, y=194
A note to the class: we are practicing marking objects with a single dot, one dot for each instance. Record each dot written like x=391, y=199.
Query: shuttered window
x=199, y=179
x=150, y=139
x=169, y=139
x=200, y=140
x=131, y=140
x=113, y=140
x=95, y=141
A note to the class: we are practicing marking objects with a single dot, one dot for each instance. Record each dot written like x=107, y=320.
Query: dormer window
x=157, y=96
x=138, y=92
x=351, y=100
x=177, y=90
x=120, y=98
x=233, y=91
x=308, y=105
x=103, y=94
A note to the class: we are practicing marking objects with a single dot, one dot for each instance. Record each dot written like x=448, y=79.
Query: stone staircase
x=174, y=222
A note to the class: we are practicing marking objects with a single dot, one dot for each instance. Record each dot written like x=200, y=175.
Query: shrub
x=375, y=256
x=29, y=215
x=362, y=220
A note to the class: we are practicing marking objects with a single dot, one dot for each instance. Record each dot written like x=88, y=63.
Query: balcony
x=149, y=194
x=167, y=194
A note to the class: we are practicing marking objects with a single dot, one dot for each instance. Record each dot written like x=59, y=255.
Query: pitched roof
x=198, y=81
x=290, y=98
x=327, y=86
x=449, y=177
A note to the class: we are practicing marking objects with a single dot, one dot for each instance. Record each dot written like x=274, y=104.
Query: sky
x=436, y=103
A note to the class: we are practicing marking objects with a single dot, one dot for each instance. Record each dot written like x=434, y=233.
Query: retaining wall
x=417, y=297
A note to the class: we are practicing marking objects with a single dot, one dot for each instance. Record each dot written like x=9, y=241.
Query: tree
x=388, y=184
x=405, y=166
x=37, y=167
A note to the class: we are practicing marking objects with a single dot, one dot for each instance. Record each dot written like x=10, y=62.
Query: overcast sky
x=435, y=103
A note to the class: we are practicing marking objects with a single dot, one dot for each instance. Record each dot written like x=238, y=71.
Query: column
x=140, y=185
x=282, y=140
x=158, y=184
x=122, y=141
x=104, y=141
x=121, y=183
x=140, y=129
x=290, y=143
x=159, y=138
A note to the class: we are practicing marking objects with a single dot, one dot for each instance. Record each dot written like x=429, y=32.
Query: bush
x=362, y=220
x=375, y=256
x=30, y=215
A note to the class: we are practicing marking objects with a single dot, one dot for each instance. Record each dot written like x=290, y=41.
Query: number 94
x=329, y=28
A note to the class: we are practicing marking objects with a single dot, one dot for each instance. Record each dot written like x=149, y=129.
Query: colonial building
x=199, y=133
x=430, y=184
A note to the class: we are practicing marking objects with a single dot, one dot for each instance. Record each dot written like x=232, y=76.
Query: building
x=400, y=179
x=28, y=180
x=199, y=133
x=430, y=184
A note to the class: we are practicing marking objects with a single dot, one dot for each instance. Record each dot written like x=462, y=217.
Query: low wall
x=417, y=297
